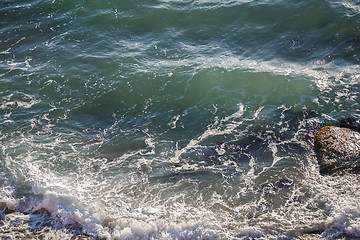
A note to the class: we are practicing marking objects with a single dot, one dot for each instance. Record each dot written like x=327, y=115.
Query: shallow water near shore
x=176, y=119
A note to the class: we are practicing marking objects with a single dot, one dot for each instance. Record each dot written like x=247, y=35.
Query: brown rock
x=338, y=149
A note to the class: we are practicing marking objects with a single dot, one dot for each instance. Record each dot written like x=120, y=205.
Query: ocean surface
x=177, y=119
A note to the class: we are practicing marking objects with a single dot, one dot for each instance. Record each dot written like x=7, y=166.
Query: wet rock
x=338, y=149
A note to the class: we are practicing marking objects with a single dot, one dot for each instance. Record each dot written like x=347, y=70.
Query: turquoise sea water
x=162, y=119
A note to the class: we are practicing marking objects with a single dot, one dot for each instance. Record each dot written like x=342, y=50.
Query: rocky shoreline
x=18, y=225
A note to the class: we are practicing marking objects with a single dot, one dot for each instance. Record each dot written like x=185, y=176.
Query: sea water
x=183, y=119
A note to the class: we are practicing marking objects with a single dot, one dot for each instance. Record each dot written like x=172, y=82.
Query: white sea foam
x=131, y=207
x=118, y=210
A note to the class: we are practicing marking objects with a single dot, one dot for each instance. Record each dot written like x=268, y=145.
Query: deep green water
x=119, y=116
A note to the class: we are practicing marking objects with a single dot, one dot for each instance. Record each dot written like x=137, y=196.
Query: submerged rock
x=338, y=149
